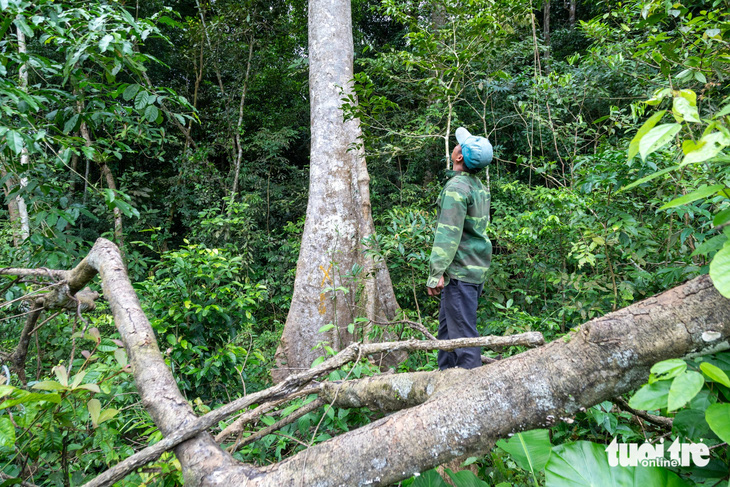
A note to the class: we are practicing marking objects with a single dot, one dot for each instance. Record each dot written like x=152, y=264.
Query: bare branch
x=304, y=410
x=4, y=476
x=56, y=275
x=656, y=420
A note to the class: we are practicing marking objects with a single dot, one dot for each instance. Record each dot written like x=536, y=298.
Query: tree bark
x=546, y=22
x=23, y=218
x=106, y=172
x=338, y=210
x=237, y=138
x=13, y=214
x=571, y=12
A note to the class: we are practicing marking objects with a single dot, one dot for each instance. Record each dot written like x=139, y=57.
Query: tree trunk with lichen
x=336, y=281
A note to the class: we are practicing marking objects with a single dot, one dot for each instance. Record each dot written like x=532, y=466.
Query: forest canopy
x=184, y=134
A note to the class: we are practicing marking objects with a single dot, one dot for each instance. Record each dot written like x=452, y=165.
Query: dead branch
x=4, y=476
x=656, y=420
x=53, y=274
x=304, y=410
x=249, y=416
x=60, y=297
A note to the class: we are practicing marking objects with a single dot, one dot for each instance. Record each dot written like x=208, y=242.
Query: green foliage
x=698, y=399
x=530, y=450
x=73, y=424
x=569, y=245
x=585, y=464
x=202, y=307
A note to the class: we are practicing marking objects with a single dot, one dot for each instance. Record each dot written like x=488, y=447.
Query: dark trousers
x=458, y=319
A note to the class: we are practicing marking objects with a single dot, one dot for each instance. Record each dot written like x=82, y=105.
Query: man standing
x=461, y=251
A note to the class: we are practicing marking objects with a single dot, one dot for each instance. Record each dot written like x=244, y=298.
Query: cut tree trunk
x=338, y=211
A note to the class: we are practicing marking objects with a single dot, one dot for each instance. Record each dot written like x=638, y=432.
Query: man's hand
x=435, y=291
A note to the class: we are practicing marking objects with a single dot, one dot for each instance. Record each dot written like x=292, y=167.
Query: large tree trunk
x=338, y=211
x=439, y=415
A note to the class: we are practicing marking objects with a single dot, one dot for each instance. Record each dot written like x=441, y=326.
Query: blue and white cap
x=477, y=150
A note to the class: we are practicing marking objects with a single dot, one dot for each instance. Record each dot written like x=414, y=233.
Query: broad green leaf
x=121, y=355
x=715, y=373
x=141, y=100
x=326, y=327
x=89, y=152
x=651, y=396
x=49, y=385
x=22, y=26
x=668, y=369
x=70, y=124
x=5, y=390
x=90, y=387
x=692, y=424
x=718, y=417
x=650, y=177
x=14, y=141
x=94, y=407
x=702, y=192
x=30, y=397
x=710, y=245
x=708, y=147
x=659, y=95
x=107, y=414
x=61, y=374
x=648, y=125
x=689, y=95
x=77, y=379
x=720, y=270
x=130, y=92
x=105, y=41
x=465, y=478
x=725, y=111
x=429, y=478
x=530, y=449
x=151, y=113
x=721, y=218
x=585, y=464
x=7, y=433
x=683, y=110
x=684, y=388
x=657, y=138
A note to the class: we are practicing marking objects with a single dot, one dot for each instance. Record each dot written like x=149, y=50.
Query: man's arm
x=447, y=237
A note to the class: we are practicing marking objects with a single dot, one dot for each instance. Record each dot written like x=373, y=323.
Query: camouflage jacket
x=461, y=249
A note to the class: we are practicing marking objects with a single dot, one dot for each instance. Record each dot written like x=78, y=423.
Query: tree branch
x=304, y=410
x=655, y=420
x=4, y=476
